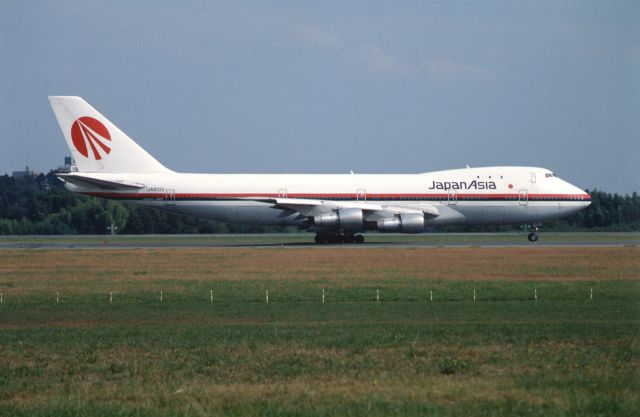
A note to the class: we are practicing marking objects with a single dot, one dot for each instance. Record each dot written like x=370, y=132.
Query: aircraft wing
x=429, y=210
x=308, y=207
x=86, y=181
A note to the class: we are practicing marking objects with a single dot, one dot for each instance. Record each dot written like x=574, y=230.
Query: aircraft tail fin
x=96, y=144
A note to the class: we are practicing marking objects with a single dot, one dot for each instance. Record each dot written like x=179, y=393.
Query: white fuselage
x=471, y=196
x=110, y=164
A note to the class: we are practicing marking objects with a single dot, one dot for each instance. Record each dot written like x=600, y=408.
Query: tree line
x=41, y=205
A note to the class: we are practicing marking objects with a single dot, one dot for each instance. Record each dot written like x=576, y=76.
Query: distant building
x=69, y=166
x=26, y=173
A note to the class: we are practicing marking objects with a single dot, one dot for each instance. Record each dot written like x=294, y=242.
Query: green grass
x=505, y=354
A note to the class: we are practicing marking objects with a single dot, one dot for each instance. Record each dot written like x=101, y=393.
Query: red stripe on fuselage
x=347, y=196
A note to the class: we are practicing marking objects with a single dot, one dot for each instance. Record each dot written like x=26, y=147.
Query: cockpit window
x=549, y=175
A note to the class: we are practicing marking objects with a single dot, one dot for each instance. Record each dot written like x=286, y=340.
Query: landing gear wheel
x=321, y=238
x=533, y=237
x=324, y=238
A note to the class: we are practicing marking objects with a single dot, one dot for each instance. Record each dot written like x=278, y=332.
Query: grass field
x=504, y=354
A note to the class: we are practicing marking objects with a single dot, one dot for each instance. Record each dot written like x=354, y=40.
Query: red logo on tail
x=89, y=133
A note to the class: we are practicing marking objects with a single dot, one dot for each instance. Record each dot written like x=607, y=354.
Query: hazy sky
x=328, y=87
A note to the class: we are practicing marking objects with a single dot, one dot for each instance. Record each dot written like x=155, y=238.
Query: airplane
x=338, y=207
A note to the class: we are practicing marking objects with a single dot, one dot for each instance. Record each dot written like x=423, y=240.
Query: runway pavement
x=306, y=241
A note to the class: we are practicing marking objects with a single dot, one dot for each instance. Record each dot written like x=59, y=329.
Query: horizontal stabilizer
x=86, y=181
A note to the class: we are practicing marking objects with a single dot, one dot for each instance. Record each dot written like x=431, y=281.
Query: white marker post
x=323, y=296
x=591, y=294
x=535, y=294
x=211, y=295
x=161, y=296
x=474, y=296
x=1, y=298
x=377, y=296
x=57, y=296
x=431, y=295
x=267, y=295
x=110, y=297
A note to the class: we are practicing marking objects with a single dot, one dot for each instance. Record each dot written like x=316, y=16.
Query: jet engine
x=348, y=219
x=405, y=223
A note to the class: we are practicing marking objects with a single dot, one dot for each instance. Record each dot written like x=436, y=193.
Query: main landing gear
x=533, y=237
x=324, y=238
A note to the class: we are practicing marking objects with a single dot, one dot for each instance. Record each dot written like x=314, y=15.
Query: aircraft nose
x=579, y=195
x=582, y=195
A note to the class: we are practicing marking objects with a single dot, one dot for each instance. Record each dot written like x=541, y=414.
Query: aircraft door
x=361, y=195
x=452, y=197
x=523, y=197
x=170, y=197
x=282, y=193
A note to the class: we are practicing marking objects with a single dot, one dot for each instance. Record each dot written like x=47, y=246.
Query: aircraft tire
x=323, y=238
x=358, y=238
x=533, y=237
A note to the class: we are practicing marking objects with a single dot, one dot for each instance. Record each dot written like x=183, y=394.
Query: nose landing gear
x=533, y=232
